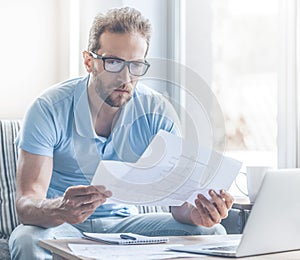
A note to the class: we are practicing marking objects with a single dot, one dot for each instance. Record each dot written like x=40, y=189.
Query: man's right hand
x=79, y=202
x=34, y=174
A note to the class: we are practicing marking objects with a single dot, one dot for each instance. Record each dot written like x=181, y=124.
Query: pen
x=124, y=236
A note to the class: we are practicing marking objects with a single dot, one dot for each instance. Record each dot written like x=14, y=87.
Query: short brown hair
x=122, y=20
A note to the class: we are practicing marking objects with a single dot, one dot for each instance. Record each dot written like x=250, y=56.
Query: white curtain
x=289, y=85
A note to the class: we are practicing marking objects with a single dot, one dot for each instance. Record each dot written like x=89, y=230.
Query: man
x=105, y=115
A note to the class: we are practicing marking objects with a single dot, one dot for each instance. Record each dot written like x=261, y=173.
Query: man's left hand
x=210, y=212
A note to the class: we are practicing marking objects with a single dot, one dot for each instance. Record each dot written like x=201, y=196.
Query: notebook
x=273, y=224
x=124, y=238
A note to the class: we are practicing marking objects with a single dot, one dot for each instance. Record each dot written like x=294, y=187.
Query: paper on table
x=170, y=172
x=114, y=252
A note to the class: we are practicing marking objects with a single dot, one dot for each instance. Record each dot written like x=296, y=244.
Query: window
x=234, y=46
x=244, y=78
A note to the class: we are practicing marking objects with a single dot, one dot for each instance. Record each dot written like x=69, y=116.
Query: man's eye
x=137, y=65
x=113, y=61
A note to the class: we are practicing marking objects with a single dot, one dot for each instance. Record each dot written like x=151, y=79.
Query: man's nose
x=124, y=74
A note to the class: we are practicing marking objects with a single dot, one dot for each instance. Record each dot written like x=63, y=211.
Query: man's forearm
x=39, y=212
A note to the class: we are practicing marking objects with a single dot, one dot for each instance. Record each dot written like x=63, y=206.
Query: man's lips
x=121, y=90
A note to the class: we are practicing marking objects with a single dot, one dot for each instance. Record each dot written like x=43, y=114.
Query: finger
x=83, y=207
x=77, y=201
x=202, y=216
x=71, y=203
x=210, y=207
x=82, y=190
x=79, y=217
x=219, y=203
x=77, y=190
x=201, y=209
x=227, y=198
x=91, y=198
x=102, y=189
x=87, y=207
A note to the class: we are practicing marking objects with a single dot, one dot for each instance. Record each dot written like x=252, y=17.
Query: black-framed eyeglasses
x=115, y=65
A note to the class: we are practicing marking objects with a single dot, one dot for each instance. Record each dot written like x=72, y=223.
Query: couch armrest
x=8, y=161
x=236, y=220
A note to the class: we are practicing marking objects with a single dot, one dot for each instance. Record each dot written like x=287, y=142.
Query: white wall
x=42, y=43
x=198, y=53
x=28, y=49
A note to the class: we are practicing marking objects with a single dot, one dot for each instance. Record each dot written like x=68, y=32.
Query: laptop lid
x=274, y=222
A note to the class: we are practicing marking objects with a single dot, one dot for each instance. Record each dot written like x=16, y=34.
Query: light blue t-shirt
x=58, y=124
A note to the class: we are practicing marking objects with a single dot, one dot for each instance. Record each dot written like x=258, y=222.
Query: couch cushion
x=153, y=209
x=8, y=160
x=4, y=251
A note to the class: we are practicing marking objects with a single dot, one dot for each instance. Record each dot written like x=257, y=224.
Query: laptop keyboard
x=221, y=248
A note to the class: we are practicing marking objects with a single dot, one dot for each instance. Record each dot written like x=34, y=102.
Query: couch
x=8, y=158
x=8, y=217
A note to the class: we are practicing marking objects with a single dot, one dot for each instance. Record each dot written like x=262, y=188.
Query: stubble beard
x=108, y=96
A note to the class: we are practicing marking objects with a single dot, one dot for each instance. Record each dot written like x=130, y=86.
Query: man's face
x=116, y=89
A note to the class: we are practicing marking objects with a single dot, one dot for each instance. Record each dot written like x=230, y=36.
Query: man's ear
x=88, y=61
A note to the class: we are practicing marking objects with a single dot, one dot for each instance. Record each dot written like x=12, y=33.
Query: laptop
x=273, y=224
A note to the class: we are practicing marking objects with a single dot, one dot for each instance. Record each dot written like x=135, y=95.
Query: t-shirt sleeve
x=38, y=133
x=165, y=118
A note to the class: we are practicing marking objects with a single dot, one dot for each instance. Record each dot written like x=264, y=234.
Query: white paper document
x=170, y=172
x=112, y=252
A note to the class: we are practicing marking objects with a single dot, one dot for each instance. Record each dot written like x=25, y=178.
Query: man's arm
x=33, y=178
x=207, y=212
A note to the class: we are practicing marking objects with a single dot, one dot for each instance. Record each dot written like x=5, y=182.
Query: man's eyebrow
x=114, y=56
x=111, y=56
